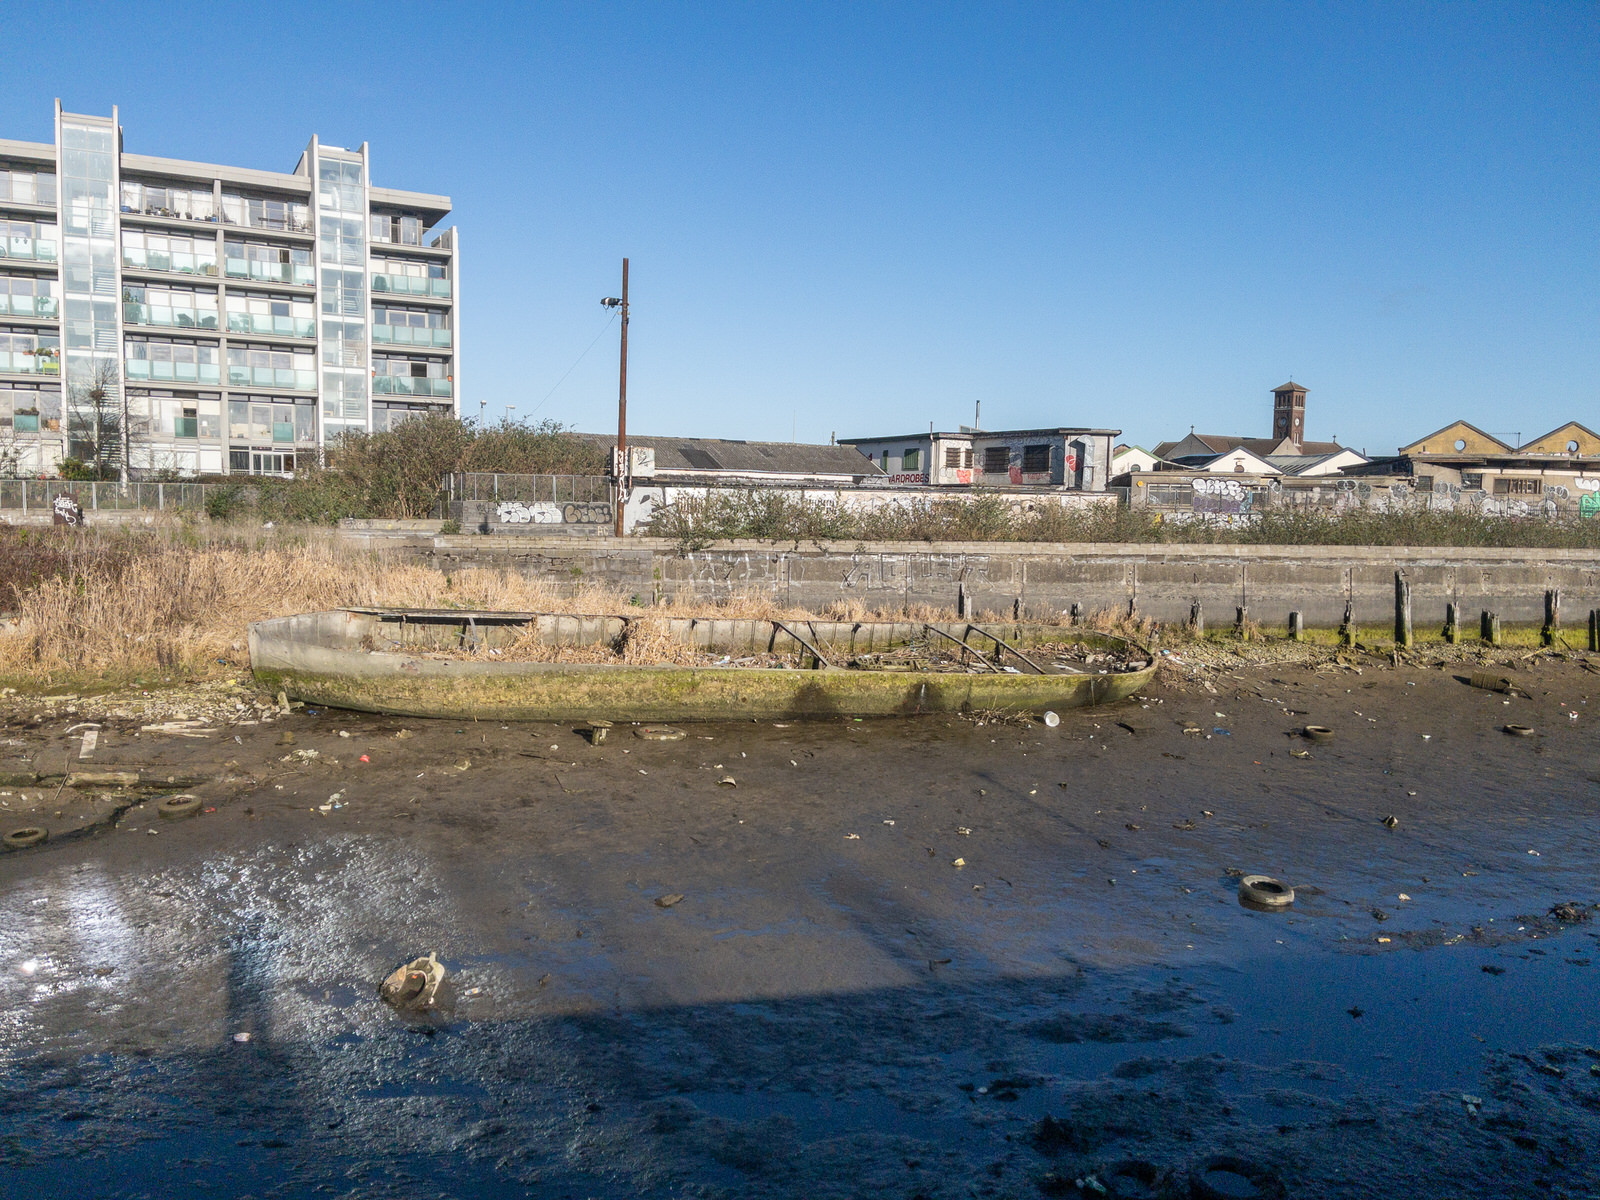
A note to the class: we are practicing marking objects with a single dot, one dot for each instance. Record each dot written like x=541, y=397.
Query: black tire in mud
x=173, y=807
x=1224, y=1177
x=31, y=835
x=1134, y=1179
x=1519, y=730
x=1265, y=891
x=1317, y=733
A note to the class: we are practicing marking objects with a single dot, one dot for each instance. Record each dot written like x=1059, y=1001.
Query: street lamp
x=621, y=304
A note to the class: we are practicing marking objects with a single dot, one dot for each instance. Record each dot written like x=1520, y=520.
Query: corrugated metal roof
x=747, y=458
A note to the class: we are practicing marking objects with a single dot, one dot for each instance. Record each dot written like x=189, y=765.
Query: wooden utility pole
x=623, y=471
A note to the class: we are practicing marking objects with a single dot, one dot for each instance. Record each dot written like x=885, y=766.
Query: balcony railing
x=28, y=306
x=22, y=362
x=409, y=385
x=275, y=224
x=299, y=327
x=411, y=285
x=272, y=377
x=405, y=335
x=37, y=249
x=162, y=317
x=171, y=372
x=170, y=214
x=271, y=272
x=162, y=260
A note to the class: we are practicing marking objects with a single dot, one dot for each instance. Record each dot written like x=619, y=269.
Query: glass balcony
x=271, y=272
x=409, y=385
x=171, y=372
x=37, y=249
x=300, y=327
x=160, y=316
x=411, y=285
x=163, y=260
x=405, y=335
x=271, y=377
x=29, y=306
x=21, y=362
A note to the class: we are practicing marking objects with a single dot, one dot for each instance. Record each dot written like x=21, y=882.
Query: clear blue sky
x=862, y=218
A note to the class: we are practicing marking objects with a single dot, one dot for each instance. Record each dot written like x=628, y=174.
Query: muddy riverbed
x=933, y=957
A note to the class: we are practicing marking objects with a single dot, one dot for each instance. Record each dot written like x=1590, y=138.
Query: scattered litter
x=1535, y=853
x=658, y=733
x=344, y=733
x=852, y=837
x=888, y=822
x=414, y=985
x=1051, y=719
x=241, y=1038
x=963, y=830
x=669, y=900
x=959, y=863
x=1392, y=821
x=364, y=758
x=728, y=781
x=91, y=739
x=1223, y=732
x=1403, y=896
x=403, y=734
x=192, y=729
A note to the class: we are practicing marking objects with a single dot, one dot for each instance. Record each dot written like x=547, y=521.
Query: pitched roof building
x=1285, y=453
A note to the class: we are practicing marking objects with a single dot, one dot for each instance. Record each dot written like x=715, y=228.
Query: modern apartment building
x=239, y=319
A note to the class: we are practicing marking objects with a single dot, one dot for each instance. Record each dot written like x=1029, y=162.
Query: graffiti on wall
x=1226, y=497
x=548, y=512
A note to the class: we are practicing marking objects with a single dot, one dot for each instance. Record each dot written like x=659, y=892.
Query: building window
x=966, y=458
x=24, y=185
x=996, y=460
x=1035, y=459
x=1238, y=466
x=911, y=460
x=1504, y=486
x=952, y=456
x=1472, y=479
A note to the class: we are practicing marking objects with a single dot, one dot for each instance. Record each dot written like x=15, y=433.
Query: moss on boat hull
x=312, y=658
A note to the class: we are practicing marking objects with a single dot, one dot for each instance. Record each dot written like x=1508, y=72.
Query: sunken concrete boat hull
x=369, y=660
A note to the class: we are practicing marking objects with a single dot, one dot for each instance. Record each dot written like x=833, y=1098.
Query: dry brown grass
x=170, y=608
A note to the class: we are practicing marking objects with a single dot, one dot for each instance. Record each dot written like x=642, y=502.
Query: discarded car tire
x=1132, y=1179
x=173, y=807
x=21, y=839
x=1265, y=891
x=1225, y=1177
x=1490, y=682
x=659, y=733
x=1317, y=733
x=1520, y=730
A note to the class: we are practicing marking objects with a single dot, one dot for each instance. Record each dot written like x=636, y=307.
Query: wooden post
x=1402, y=611
x=1240, y=627
x=1552, y=616
x=1197, y=619
x=1297, y=627
x=1594, y=629
x=1489, y=628
x=1077, y=612
x=1452, y=623
x=1347, y=627
x=961, y=602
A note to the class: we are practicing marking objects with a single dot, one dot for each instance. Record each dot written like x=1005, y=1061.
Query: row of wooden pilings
x=1488, y=622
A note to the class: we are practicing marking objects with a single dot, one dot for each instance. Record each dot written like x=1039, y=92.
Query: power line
x=574, y=366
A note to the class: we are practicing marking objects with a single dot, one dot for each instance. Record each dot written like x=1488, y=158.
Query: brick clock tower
x=1289, y=413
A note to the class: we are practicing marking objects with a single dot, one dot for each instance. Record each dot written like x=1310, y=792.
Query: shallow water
x=824, y=1014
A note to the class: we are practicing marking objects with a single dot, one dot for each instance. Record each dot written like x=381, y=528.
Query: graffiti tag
x=536, y=512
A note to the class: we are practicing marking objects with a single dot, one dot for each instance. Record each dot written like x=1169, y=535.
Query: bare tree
x=98, y=403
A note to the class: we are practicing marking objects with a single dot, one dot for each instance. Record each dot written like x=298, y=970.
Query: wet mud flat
x=931, y=957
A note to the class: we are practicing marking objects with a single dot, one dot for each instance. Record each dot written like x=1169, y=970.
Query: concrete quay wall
x=1156, y=581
